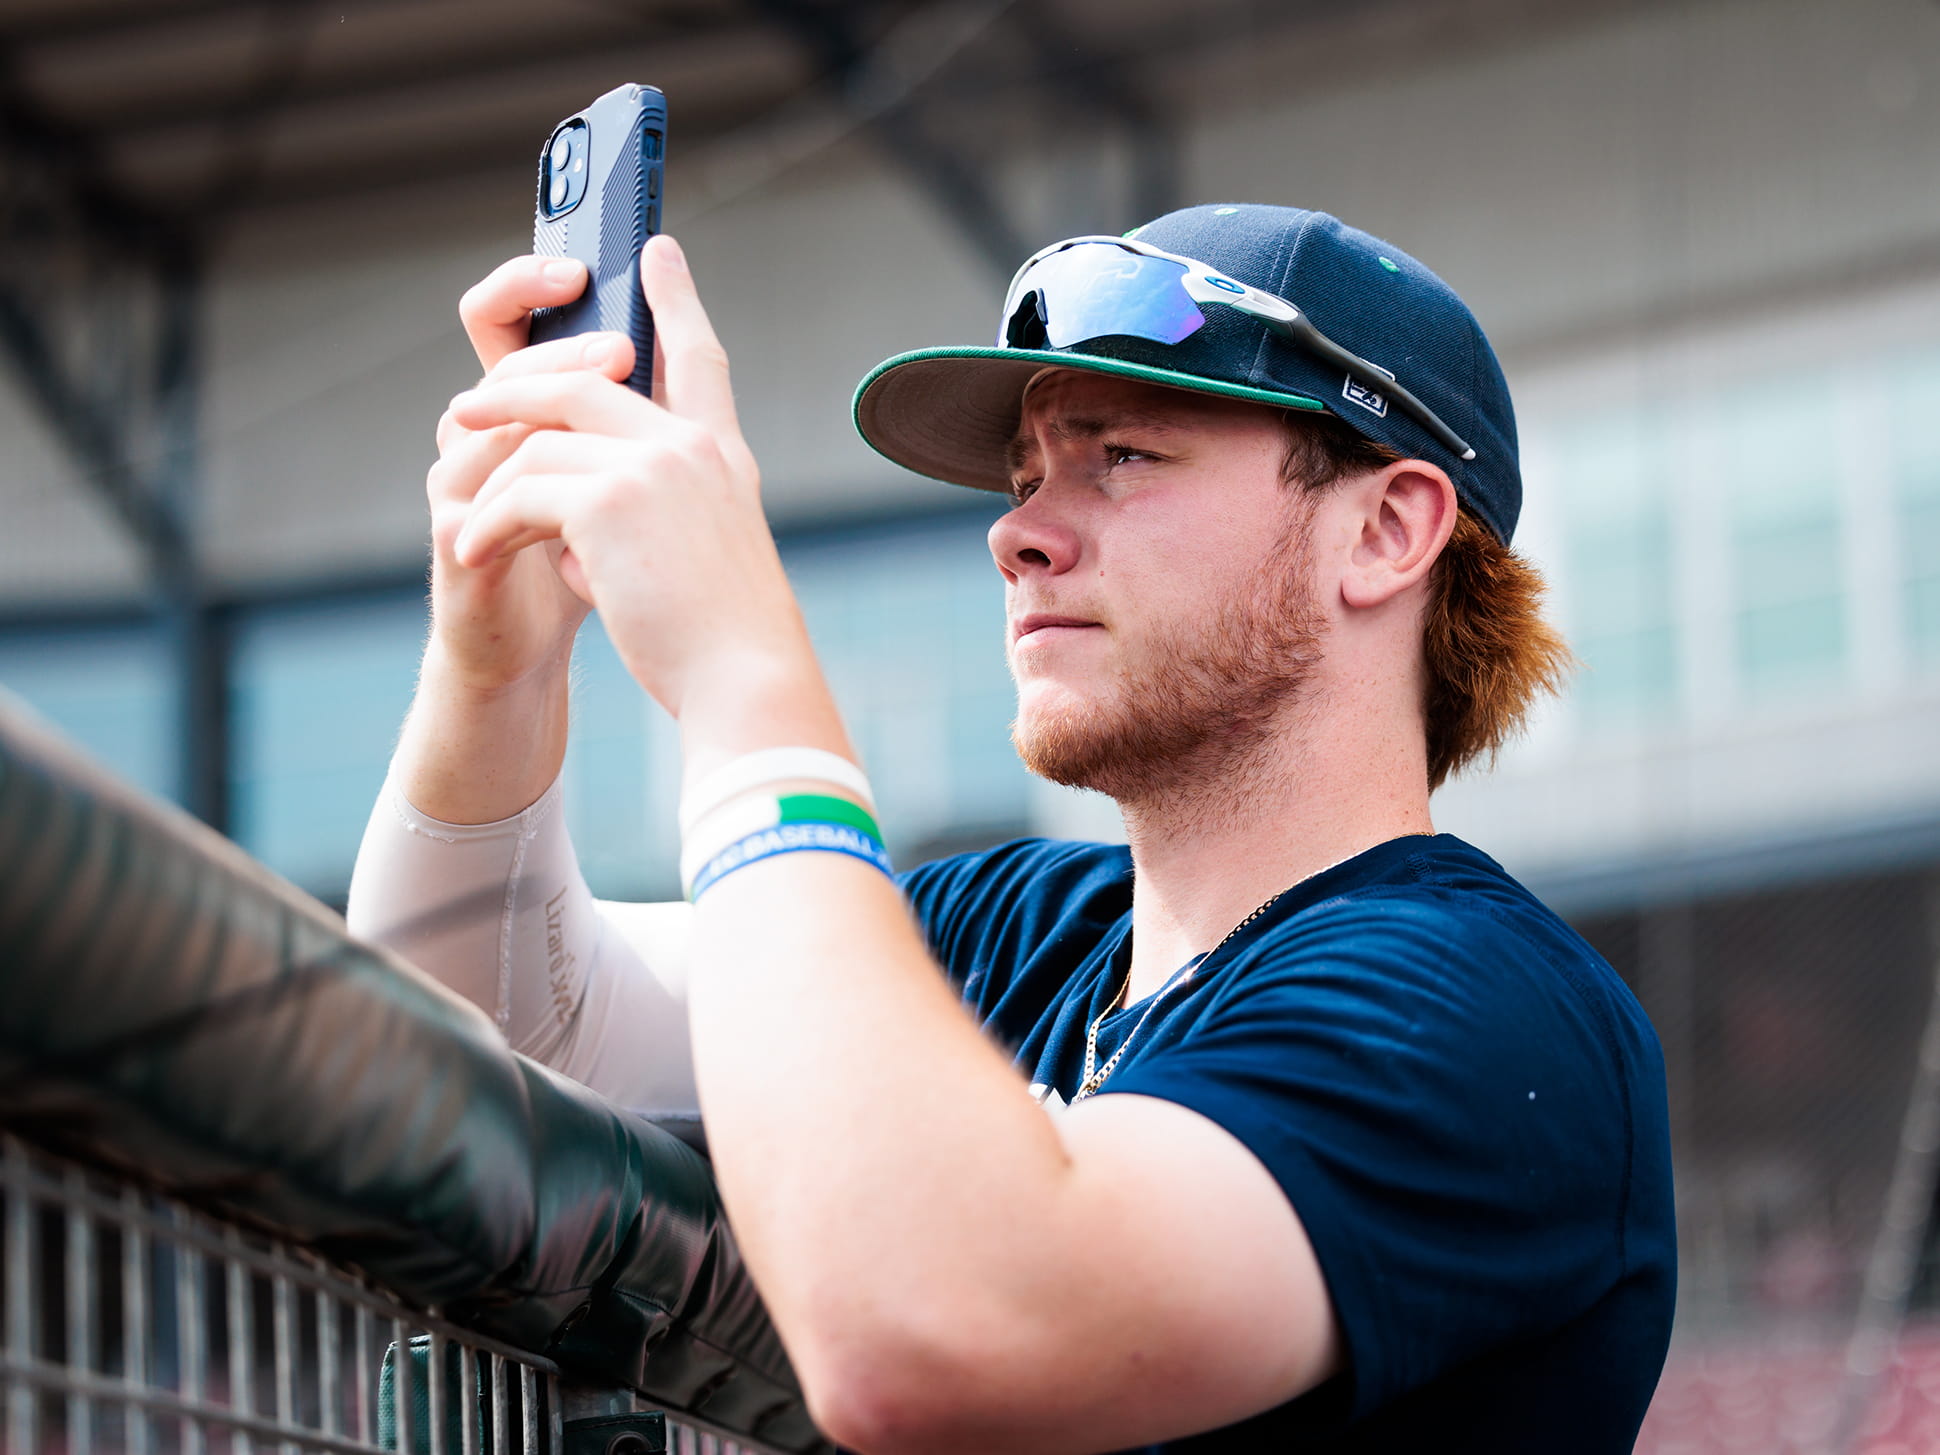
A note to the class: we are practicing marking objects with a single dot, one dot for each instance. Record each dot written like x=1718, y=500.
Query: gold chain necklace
x=1095, y=1078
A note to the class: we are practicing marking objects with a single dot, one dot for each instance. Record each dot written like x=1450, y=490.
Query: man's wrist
x=449, y=674
x=749, y=700
x=475, y=752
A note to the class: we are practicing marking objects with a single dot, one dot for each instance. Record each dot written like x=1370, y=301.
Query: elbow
x=874, y=1406
x=861, y=1416
x=869, y=1417
x=896, y=1392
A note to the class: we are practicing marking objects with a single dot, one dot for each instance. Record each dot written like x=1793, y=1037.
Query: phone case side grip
x=608, y=222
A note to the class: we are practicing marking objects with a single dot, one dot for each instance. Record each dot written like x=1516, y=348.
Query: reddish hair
x=1487, y=653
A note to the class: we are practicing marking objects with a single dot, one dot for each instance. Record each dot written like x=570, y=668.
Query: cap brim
x=951, y=413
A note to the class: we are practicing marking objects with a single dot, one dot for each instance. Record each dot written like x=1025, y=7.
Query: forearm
x=868, y=1137
x=472, y=753
x=888, y=1175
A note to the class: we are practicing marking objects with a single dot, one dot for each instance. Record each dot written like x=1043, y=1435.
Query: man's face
x=1156, y=572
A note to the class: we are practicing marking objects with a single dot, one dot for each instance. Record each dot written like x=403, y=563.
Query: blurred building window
x=908, y=620
x=319, y=690
x=110, y=687
x=1616, y=489
x=622, y=828
x=909, y=623
x=1916, y=470
x=1789, y=602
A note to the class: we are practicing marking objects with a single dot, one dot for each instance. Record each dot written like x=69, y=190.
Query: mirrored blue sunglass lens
x=1098, y=290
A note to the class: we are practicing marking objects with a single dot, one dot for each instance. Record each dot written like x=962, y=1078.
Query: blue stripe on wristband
x=790, y=838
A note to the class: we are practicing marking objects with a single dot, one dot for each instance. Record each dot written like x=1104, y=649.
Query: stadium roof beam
x=78, y=258
x=408, y=73
x=1105, y=84
x=955, y=176
x=70, y=24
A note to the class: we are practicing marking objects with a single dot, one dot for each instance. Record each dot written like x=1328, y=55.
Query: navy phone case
x=599, y=201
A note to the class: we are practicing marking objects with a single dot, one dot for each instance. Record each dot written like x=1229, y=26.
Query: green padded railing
x=170, y=1007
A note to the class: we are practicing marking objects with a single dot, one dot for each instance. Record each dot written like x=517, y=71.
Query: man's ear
x=1407, y=514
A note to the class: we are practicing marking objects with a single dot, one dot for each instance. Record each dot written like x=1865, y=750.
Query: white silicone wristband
x=768, y=766
x=713, y=832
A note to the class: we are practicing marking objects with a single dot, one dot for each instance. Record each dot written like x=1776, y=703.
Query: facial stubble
x=1194, y=711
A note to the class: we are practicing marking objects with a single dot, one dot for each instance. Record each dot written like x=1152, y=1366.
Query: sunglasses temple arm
x=1383, y=383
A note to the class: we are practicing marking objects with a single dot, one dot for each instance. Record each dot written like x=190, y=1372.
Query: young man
x=1295, y=1124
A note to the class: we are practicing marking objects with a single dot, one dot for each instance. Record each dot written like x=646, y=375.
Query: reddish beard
x=1201, y=699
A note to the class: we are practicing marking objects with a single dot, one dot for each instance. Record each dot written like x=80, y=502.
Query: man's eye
x=1022, y=490
x=1122, y=454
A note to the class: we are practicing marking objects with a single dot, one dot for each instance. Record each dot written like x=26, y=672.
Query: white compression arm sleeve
x=500, y=913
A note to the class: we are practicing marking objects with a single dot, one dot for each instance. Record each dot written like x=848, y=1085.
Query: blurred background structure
x=1703, y=234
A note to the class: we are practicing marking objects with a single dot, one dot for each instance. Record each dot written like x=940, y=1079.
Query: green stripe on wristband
x=821, y=808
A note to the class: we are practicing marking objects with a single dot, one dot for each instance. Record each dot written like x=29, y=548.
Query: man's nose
x=1034, y=537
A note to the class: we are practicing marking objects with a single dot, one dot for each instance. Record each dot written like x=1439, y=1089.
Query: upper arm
x=628, y=1039
x=500, y=913
x=1191, y=1296
x=1442, y=1109
x=1159, y=1285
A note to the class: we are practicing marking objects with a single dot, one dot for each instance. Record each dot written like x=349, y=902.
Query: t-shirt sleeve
x=997, y=907
x=982, y=910
x=1441, y=1102
x=935, y=893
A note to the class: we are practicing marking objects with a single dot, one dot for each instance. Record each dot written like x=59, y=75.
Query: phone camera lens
x=558, y=190
x=562, y=149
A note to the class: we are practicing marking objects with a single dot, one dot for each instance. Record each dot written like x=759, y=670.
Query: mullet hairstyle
x=1486, y=652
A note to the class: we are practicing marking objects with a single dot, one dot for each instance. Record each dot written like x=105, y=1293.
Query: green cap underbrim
x=951, y=413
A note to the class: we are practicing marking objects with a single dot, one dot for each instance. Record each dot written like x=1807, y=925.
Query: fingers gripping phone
x=599, y=202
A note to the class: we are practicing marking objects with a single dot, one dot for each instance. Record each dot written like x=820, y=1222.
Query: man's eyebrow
x=1089, y=427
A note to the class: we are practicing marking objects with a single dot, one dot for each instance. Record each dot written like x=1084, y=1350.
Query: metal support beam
x=198, y=629
x=100, y=306
x=954, y=175
x=957, y=175
x=91, y=431
x=1102, y=86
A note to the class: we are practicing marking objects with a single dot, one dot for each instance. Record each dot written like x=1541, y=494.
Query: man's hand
x=487, y=730
x=497, y=623
x=655, y=503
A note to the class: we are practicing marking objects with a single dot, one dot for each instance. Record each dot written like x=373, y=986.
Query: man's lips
x=1040, y=621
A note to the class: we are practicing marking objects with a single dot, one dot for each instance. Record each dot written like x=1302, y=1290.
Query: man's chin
x=1070, y=741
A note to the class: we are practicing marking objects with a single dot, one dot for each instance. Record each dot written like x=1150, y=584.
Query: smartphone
x=599, y=201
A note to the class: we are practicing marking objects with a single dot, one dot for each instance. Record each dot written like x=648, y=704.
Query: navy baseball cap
x=951, y=412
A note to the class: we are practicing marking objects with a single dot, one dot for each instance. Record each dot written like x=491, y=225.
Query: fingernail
x=671, y=248
x=565, y=270
x=459, y=401
x=597, y=351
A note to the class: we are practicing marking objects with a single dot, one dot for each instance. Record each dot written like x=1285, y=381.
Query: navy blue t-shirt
x=1461, y=1100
